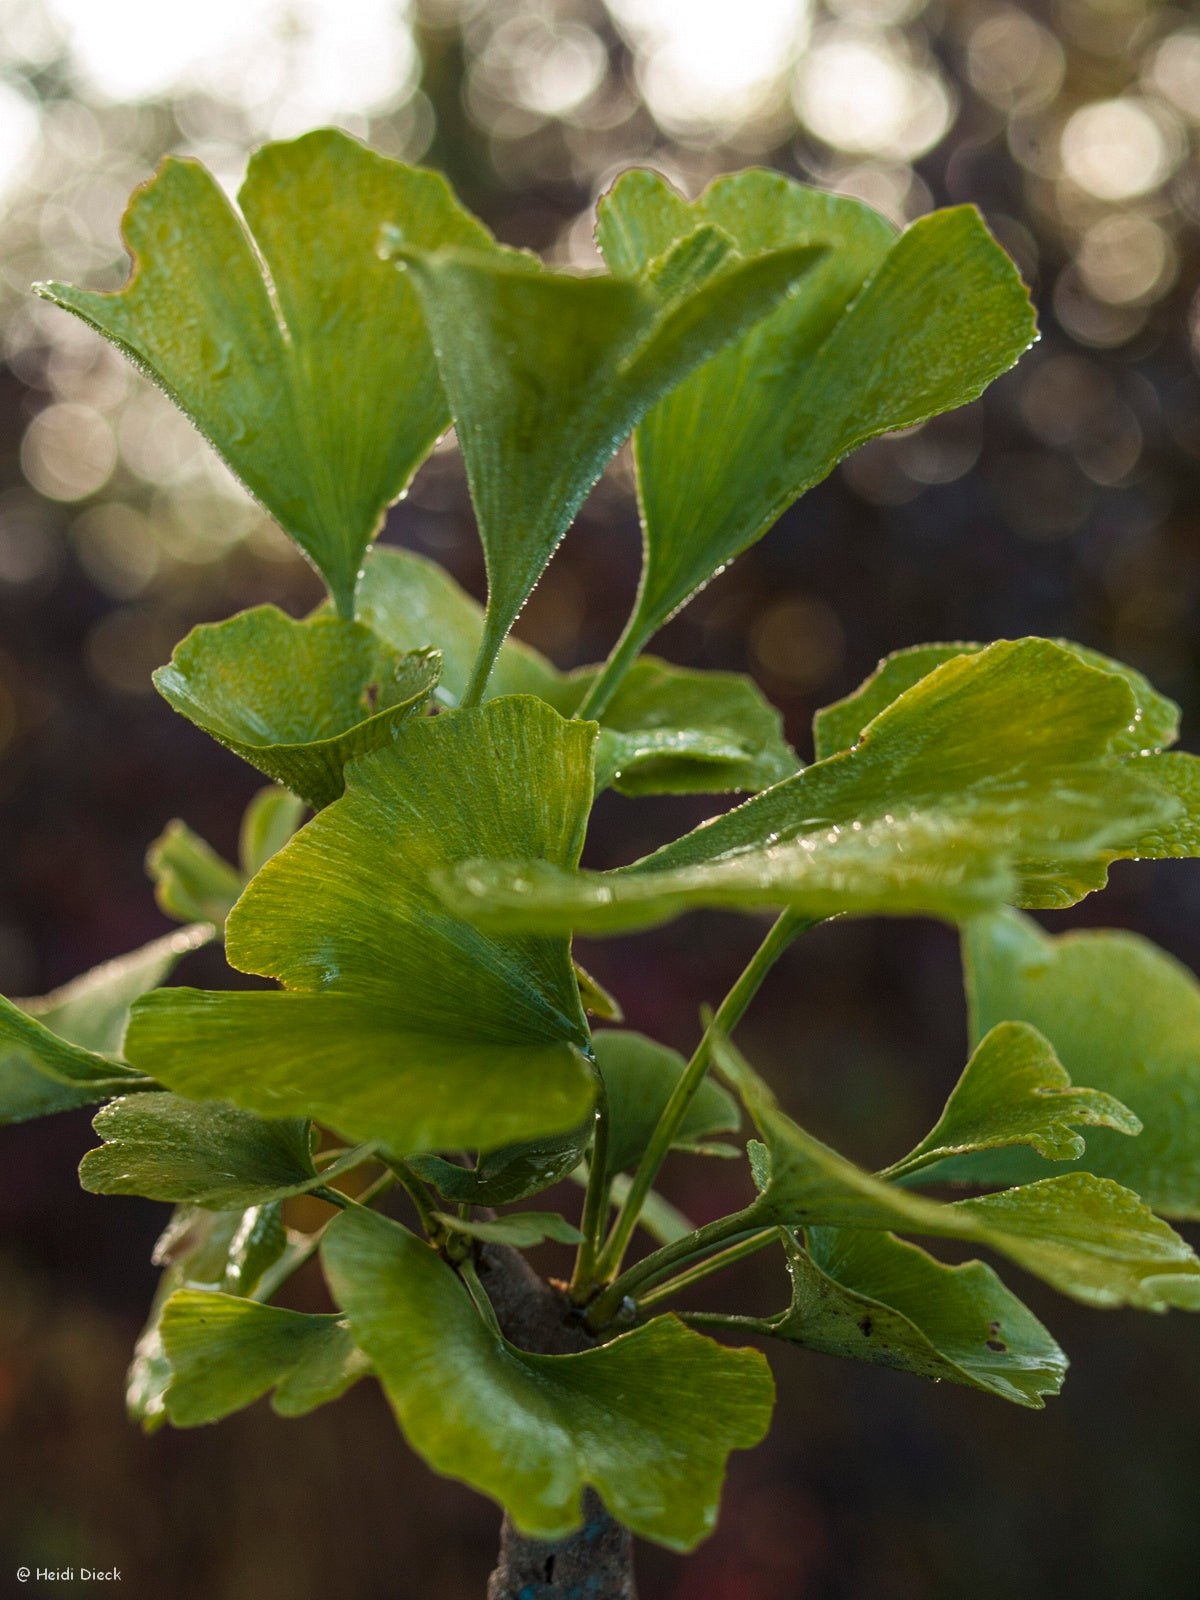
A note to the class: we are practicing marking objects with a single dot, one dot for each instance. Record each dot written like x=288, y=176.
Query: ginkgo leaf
x=224, y=1353
x=667, y=730
x=237, y=1252
x=989, y=780
x=298, y=352
x=1120, y=1013
x=1086, y=1236
x=1014, y=1091
x=1177, y=773
x=875, y=1298
x=64, y=1050
x=398, y=1022
x=884, y=332
x=191, y=881
x=297, y=700
x=269, y=821
x=207, y=1153
x=647, y=1420
x=1154, y=724
x=546, y=374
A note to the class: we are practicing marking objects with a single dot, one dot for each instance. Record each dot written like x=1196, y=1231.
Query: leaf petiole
x=748, y=1246
x=596, y=1199
x=660, y=1264
x=788, y=926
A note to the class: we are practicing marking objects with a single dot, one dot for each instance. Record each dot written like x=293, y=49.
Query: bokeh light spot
x=1117, y=149
x=68, y=451
x=798, y=641
x=1126, y=258
x=706, y=63
x=861, y=92
x=1174, y=70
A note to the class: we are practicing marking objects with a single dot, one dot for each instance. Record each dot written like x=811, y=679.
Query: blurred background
x=1066, y=502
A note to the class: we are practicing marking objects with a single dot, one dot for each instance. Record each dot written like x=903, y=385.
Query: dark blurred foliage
x=1064, y=503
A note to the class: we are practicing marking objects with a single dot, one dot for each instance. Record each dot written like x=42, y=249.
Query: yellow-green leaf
x=648, y=1420
x=191, y=881
x=547, y=373
x=1121, y=1014
x=639, y=1075
x=1086, y=1236
x=297, y=700
x=297, y=351
x=1154, y=724
x=882, y=333
x=207, y=1153
x=399, y=1022
x=236, y=1252
x=989, y=780
x=667, y=729
x=64, y=1049
x=872, y=1297
x=1014, y=1091
x=224, y=1353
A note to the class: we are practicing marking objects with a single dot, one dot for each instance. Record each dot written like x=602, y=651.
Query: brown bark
x=596, y=1561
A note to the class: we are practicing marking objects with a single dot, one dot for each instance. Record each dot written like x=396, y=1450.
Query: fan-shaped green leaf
x=399, y=1022
x=297, y=700
x=667, y=730
x=647, y=1420
x=1086, y=1236
x=1178, y=774
x=63, y=1050
x=225, y=1353
x=873, y=1297
x=1154, y=725
x=237, y=1252
x=207, y=1152
x=1119, y=1012
x=297, y=351
x=1014, y=1091
x=268, y=822
x=988, y=780
x=547, y=373
x=191, y=881
x=882, y=333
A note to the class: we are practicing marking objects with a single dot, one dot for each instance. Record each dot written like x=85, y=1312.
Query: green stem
x=611, y=675
x=377, y=1186
x=661, y=1264
x=786, y=928
x=294, y=1258
x=468, y=1274
x=595, y=1200
x=748, y=1246
x=719, y=1319
x=485, y=660
x=420, y=1196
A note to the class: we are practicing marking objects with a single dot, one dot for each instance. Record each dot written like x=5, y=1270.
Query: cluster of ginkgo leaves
x=429, y=1032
